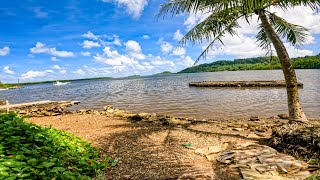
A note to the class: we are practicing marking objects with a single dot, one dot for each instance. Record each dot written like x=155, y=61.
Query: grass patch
x=28, y=151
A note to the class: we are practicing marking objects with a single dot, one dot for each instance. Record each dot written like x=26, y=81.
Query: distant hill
x=259, y=63
x=163, y=73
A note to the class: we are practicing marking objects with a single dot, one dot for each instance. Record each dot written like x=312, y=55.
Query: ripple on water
x=172, y=95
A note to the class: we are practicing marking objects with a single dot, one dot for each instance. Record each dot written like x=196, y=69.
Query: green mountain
x=259, y=63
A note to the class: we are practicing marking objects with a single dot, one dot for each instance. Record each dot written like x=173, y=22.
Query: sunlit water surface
x=171, y=94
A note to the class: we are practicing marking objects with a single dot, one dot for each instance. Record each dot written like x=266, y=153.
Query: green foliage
x=28, y=151
x=259, y=63
x=6, y=85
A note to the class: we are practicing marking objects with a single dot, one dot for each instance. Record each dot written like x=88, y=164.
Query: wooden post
x=8, y=109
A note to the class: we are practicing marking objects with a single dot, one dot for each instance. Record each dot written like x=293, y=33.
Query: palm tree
x=223, y=16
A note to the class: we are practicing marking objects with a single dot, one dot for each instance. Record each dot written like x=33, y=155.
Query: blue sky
x=69, y=39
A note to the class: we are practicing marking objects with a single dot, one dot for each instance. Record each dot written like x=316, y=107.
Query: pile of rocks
x=255, y=161
x=44, y=109
x=148, y=117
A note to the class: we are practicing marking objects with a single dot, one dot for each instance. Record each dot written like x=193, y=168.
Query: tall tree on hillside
x=223, y=16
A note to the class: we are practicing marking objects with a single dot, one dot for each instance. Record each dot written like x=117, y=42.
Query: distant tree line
x=259, y=63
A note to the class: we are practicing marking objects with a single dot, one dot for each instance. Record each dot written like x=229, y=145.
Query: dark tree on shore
x=223, y=19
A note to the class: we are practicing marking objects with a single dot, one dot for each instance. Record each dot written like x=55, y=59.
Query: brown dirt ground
x=150, y=151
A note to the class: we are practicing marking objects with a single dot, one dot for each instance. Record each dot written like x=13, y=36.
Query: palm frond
x=296, y=35
x=227, y=29
x=211, y=27
x=263, y=40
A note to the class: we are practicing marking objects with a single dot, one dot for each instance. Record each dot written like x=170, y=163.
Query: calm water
x=171, y=94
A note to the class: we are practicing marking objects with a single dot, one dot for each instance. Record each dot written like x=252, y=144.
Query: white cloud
x=177, y=35
x=187, y=61
x=133, y=7
x=35, y=74
x=116, y=40
x=56, y=67
x=113, y=58
x=54, y=59
x=194, y=19
x=160, y=62
x=90, y=35
x=63, y=71
x=4, y=51
x=79, y=72
x=134, y=49
x=86, y=53
x=303, y=16
x=294, y=52
x=42, y=48
x=166, y=47
x=90, y=44
x=179, y=51
x=7, y=70
x=62, y=54
x=145, y=37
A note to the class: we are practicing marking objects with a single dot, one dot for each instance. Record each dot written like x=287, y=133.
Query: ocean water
x=171, y=95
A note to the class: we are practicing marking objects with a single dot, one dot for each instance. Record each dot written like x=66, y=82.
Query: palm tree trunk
x=295, y=111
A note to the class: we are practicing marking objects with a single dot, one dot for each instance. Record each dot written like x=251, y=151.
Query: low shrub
x=28, y=151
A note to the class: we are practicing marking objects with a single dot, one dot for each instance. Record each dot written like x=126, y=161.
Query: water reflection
x=172, y=95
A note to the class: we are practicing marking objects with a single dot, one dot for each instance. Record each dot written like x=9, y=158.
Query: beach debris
x=256, y=161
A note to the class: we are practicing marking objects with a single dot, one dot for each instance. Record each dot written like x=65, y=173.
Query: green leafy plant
x=28, y=151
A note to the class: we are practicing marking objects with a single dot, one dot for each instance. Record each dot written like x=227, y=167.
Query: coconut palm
x=223, y=16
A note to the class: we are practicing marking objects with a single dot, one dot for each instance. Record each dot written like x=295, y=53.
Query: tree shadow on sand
x=148, y=151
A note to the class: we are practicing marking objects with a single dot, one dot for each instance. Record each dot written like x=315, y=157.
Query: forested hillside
x=259, y=63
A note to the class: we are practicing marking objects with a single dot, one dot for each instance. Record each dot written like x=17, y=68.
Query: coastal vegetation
x=223, y=19
x=163, y=73
x=8, y=86
x=259, y=63
x=28, y=151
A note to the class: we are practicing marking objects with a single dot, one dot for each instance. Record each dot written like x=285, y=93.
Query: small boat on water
x=4, y=89
x=58, y=83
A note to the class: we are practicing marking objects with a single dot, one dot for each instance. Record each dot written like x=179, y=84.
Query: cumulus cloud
x=35, y=74
x=54, y=59
x=90, y=44
x=179, y=51
x=90, y=35
x=145, y=37
x=244, y=45
x=7, y=70
x=134, y=49
x=187, y=61
x=42, y=48
x=56, y=67
x=86, y=53
x=113, y=58
x=177, y=35
x=133, y=7
x=4, y=51
x=117, y=40
x=63, y=71
x=79, y=72
x=160, y=62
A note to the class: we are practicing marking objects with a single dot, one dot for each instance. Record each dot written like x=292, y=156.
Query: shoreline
x=126, y=136
x=150, y=148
